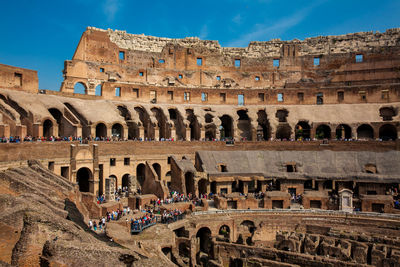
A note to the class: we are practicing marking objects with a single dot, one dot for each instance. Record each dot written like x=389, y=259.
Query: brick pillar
x=156, y=133
x=141, y=132
x=125, y=134
x=173, y=133
x=202, y=133
x=188, y=133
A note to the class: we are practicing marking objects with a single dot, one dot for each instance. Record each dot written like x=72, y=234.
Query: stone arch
x=388, y=132
x=204, y=234
x=263, y=122
x=189, y=183
x=141, y=174
x=98, y=90
x=323, y=131
x=226, y=128
x=83, y=176
x=145, y=121
x=244, y=124
x=365, y=131
x=202, y=186
x=194, y=125
x=101, y=130
x=117, y=131
x=164, y=129
x=157, y=169
x=133, y=130
x=281, y=115
x=302, y=131
x=283, y=132
x=225, y=231
x=180, y=128
x=208, y=118
x=80, y=88
x=343, y=131
x=126, y=180
x=286, y=245
x=48, y=128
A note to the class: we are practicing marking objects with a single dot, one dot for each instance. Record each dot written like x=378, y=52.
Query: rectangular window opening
x=127, y=161
x=276, y=62
x=363, y=95
x=18, y=79
x=240, y=100
x=118, y=91
x=222, y=97
x=153, y=96
x=204, y=97
x=300, y=96
x=170, y=95
x=237, y=63
x=340, y=96
x=141, y=73
x=359, y=58
x=121, y=55
x=65, y=172
x=385, y=94
x=320, y=98
x=316, y=61
x=218, y=78
x=135, y=92
x=101, y=69
x=261, y=97
x=280, y=97
x=162, y=61
x=257, y=78
x=51, y=165
x=186, y=96
x=112, y=161
x=223, y=168
x=180, y=76
x=199, y=61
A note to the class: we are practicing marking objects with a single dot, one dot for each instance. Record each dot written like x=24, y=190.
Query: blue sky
x=41, y=34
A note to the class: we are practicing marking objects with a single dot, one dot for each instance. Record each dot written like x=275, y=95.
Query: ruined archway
x=365, y=131
x=115, y=182
x=117, y=131
x=194, y=125
x=343, y=131
x=323, y=131
x=133, y=130
x=180, y=129
x=264, y=123
x=283, y=132
x=83, y=176
x=244, y=124
x=157, y=169
x=101, y=130
x=164, y=129
x=80, y=88
x=146, y=122
x=125, y=180
x=388, y=132
x=204, y=234
x=302, y=131
x=140, y=174
x=48, y=128
x=226, y=128
x=225, y=231
x=189, y=183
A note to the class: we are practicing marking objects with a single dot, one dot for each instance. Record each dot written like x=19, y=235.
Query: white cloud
x=110, y=9
x=203, y=32
x=237, y=19
x=264, y=31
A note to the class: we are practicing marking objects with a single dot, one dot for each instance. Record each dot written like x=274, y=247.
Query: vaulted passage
x=343, y=131
x=48, y=128
x=244, y=125
x=388, y=132
x=101, y=130
x=164, y=129
x=302, y=131
x=180, y=130
x=157, y=169
x=117, y=131
x=263, y=122
x=82, y=178
x=204, y=234
x=226, y=128
x=140, y=174
x=189, y=183
x=145, y=122
x=133, y=130
x=323, y=132
x=365, y=131
x=194, y=125
x=283, y=132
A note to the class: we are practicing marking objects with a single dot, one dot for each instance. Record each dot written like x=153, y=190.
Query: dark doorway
x=82, y=178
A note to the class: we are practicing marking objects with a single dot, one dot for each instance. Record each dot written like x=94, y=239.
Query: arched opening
x=225, y=231
x=80, y=88
x=388, y=132
x=302, y=131
x=145, y=120
x=117, y=131
x=249, y=232
x=244, y=125
x=343, y=131
x=264, y=123
x=180, y=129
x=204, y=234
x=98, y=90
x=323, y=132
x=125, y=180
x=133, y=131
x=283, y=132
x=163, y=126
x=387, y=113
x=202, y=185
x=194, y=125
x=101, y=130
x=115, y=182
x=226, y=127
x=365, y=131
x=141, y=174
x=47, y=128
x=189, y=183
x=82, y=178
x=208, y=118
x=157, y=169
x=64, y=128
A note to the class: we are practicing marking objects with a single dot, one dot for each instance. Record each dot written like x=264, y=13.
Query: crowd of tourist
x=171, y=216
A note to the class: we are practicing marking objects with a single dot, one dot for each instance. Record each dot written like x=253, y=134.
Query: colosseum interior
x=288, y=150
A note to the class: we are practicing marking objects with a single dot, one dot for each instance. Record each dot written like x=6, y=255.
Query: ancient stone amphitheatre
x=282, y=153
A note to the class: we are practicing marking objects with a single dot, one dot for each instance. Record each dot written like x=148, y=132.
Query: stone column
x=21, y=131
x=79, y=131
x=188, y=133
x=245, y=187
x=141, y=132
x=93, y=131
x=109, y=131
x=37, y=130
x=55, y=130
x=173, y=133
x=156, y=133
x=125, y=134
x=202, y=133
